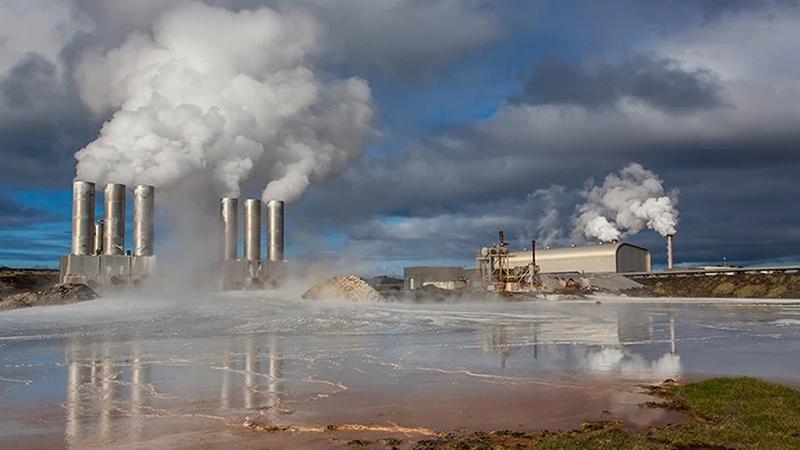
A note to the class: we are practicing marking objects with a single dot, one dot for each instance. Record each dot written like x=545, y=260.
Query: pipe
x=114, y=235
x=99, y=232
x=669, y=252
x=252, y=229
x=82, y=217
x=144, y=204
x=533, y=252
x=275, y=230
x=229, y=214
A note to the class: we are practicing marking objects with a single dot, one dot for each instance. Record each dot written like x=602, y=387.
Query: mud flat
x=265, y=369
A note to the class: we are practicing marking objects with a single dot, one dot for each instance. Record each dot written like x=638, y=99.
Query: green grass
x=725, y=413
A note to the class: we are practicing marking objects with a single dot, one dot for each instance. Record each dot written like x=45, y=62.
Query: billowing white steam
x=229, y=95
x=625, y=204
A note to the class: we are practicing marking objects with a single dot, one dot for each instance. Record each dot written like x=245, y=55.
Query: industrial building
x=100, y=258
x=617, y=257
x=441, y=277
x=98, y=254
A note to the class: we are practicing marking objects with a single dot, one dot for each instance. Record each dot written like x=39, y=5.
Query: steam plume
x=222, y=95
x=626, y=203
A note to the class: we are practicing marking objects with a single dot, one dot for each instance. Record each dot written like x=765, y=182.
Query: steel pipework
x=83, y=193
x=229, y=214
x=144, y=201
x=252, y=229
x=114, y=204
x=275, y=209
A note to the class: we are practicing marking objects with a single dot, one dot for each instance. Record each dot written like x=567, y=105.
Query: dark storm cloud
x=29, y=81
x=660, y=83
x=14, y=214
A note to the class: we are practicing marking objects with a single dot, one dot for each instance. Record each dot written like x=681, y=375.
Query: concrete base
x=106, y=270
x=235, y=275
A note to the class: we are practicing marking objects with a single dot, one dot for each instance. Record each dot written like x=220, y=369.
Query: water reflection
x=112, y=388
x=630, y=342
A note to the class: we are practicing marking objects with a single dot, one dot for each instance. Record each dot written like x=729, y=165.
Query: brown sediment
x=60, y=294
x=738, y=285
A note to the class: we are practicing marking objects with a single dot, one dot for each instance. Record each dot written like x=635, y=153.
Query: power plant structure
x=99, y=256
x=251, y=271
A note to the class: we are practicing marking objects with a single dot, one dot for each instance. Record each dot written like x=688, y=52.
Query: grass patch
x=726, y=413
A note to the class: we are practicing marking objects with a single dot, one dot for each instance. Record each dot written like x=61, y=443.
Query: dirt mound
x=60, y=294
x=15, y=281
x=740, y=285
x=343, y=288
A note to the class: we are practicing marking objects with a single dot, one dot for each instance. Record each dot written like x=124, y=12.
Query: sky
x=408, y=132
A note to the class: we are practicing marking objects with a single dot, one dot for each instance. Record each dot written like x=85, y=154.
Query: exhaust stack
x=114, y=236
x=229, y=212
x=82, y=217
x=275, y=230
x=143, y=210
x=252, y=230
x=99, y=232
x=669, y=252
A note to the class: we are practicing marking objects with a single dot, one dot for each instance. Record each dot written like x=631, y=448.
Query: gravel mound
x=60, y=294
x=343, y=288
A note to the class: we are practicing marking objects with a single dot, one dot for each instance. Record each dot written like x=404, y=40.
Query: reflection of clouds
x=619, y=360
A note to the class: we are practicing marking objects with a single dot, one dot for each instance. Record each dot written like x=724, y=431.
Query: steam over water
x=134, y=372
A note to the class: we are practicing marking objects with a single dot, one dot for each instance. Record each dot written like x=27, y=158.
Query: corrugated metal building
x=617, y=257
x=441, y=277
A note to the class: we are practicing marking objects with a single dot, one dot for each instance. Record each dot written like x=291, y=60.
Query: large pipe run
x=252, y=230
x=144, y=203
x=275, y=230
x=229, y=213
x=114, y=201
x=669, y=252
x=82, y=217
x=99, y=232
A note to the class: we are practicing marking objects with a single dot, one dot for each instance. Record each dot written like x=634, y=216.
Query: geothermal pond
x=159, y=373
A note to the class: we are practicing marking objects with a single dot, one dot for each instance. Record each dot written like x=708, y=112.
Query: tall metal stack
x=99, y=256
x=669, y=252
x=251, y=270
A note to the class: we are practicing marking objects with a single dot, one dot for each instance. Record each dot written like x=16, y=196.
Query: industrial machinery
x=250, y=271
x=498, y=275
x=98, y=256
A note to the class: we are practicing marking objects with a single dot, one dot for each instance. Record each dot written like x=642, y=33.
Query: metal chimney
x=669, y=252
x=252, y=229
x=275, y=230
x=114, y=201
x=144, y=203
x=229, y=213
x=82, y=217
x=99, y=232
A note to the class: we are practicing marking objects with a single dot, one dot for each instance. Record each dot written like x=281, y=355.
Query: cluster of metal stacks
x=251, y=271
x=98, y=255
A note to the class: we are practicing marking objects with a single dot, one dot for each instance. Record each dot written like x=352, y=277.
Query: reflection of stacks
x=498, y=342
x=255, y=368
x=93, y=396
x=672, y=335
x=140, y=380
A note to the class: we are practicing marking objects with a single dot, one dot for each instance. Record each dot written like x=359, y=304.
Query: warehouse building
x=441, y=277
x=604, y=258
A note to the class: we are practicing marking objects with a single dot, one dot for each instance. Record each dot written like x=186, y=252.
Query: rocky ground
x=740, y=285
x=23, y=288
x=60, y=294
x=15, y=281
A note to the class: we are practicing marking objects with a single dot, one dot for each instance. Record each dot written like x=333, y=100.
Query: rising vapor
x=627, y=202
x=216, y=94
